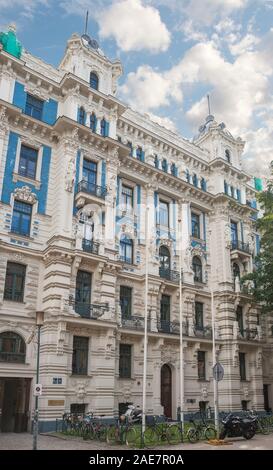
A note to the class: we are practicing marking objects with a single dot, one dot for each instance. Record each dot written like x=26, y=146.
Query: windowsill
x=245, y=381
x=196, y=239
x=203, y=380
x=81, y=376
x=22, y=302
x=25, y=179
x=25, y=237
x=126, y=378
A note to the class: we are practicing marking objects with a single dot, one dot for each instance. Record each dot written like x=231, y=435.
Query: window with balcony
x=163, y=213
x=125, y=361
x=165, y=312
x=195, y=225
x=165, y=165
x=125, y=297
x=15, y=282
x=81, y=116
x=240, y=319
x=130, y=145
x=34, y=107
x=21, y=218
x=201, y=365
x=93, y=122
x=83, y=293
x=164, y=257
x=234, y=234
x=89, y=175
x=127, y=198
x=188, y=176
x=203, y=184
x=94, y=81
x=173, y=169
x=126, y=250
x=12, y=348
x=242, y=365
x=156, y=161
x=80, y=355
x=195, y=180
x=139, y=153
x=227, y=155
x=28, y=162
x=197, y=269
x=199, y=315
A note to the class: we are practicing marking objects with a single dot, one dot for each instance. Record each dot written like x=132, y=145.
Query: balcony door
x=165, y=312
x=89, y=174
x=166, y=390
x=234, y=233
x=83, y=293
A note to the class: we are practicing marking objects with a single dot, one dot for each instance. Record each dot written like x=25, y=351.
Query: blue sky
x=173, y=52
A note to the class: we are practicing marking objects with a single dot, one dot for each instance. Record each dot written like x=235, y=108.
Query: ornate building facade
x=77, y=170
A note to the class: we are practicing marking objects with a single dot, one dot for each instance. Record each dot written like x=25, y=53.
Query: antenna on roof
x=208, y=98
x=86, y=22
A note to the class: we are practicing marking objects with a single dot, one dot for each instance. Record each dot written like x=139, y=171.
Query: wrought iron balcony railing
x=135, y=322
x=91, y=188
x=248, y=334
x=164, y=326
x=169, y=274
x=15, y=295
x=125, y=259
x=202, y=331
x=90, y=246
x=12, y=357
x=240, y=246
x=86, y=310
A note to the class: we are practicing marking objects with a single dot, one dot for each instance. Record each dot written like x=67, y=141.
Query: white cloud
x=24, y=8
x=134, y=26
x=163, y=121
x=246, y=44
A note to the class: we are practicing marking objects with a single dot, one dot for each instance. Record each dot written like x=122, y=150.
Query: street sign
x=37, y=390
x=218, y=372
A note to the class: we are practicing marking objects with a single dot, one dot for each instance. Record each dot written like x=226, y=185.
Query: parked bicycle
x=162, y=430
x=124, y=432
x=200, y=430
x=93, y=427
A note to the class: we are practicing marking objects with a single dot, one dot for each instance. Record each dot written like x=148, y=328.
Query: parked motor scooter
x=133, y=414
x=236, y=426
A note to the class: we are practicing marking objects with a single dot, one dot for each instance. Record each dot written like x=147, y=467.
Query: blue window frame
x=139, y=153
x=34, y=107
x=126, y=250
x=163, y=213
x=28, y=162
x=173, y=169
x=225, y=187
x=232, y=191
x=195, y=225
x=21, y=218
x=130, y=145
x=104, y=126
x=234, y=233
x=127, y=197
x=156, y=161
x=164, y=165
x=89, y=173
x=203, y=184
x=93, y=122
x=195, y=180
x=81, y=116
x=187, y=176
x=94, y=81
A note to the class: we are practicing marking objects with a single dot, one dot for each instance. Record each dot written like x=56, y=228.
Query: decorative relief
x=24, y=194
x=70, y=174
x=61, y=338
x=235, y=354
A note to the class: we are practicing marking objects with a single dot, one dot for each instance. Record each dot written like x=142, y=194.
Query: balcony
x=240, y=246
x=90, y=246
x=248, y=334
x=125, y=259
x=169, y=274
x=202, y=331
x=86, y=310
x=173, y=328
x=135, y=323
x=91, y=189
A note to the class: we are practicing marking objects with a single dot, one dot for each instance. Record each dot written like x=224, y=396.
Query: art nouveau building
x=77, y=170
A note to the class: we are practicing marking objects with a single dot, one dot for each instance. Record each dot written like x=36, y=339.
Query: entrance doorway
x=166, y=390
x=266, y=398
x=14, y=404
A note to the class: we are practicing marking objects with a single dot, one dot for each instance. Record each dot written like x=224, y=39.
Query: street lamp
x=39, y=324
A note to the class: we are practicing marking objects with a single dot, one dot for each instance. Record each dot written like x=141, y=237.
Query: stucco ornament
x=70, y=175
x=24, y=194
x=228, y=235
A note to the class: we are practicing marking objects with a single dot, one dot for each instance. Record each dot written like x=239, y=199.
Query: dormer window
x=94, y=81
x=227, y=155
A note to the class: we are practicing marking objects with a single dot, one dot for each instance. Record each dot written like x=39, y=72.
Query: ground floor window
x=78, y=408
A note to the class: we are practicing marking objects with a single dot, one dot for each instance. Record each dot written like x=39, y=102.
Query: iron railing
x=15, y=295
x=90, y=246
x=248, y=334
x=173, y=327
x=241, y=246
x=86, y=310
x=135, y=322
x=169, y=274
x=202, y=331
x=125, y=259
x=91, y=188
x=12, y=357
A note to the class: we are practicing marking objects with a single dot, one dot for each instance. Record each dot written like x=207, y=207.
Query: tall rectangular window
x=126, y=301
x=240, y=319
x=234, y=233
x=125, y=361
x=242, y=365
x=163, y=213
x=34, y=107
x=28, y=162
x=15, y=282
x=199, y=315
x=89, y=173
x=80, y=355
x=127, y=197
x=21, y=218
x=201, y=364
x=83, y=293
x=195, y=225
x=165, y=311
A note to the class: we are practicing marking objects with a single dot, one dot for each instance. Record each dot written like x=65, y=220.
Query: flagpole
x=145, y=323
x=181, y=332
x=214, y=359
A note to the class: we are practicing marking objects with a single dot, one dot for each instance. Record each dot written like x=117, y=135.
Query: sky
x=174, y=53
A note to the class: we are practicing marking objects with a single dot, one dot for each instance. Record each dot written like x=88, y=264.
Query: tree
x=262, y=276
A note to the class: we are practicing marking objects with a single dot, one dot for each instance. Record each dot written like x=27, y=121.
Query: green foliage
x=262, y=277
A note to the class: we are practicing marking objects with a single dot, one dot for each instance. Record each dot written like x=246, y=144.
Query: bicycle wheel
x=173, y=434
x=150, y=437
x=210, y=433
x=130, y=437
x=111, y=435
x=263, y=427
x=102, y=432
x=192, y=435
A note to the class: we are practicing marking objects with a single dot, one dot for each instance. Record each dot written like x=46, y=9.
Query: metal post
x=215, y=382
x=181, y=335
x=36, y=411
x=145, y=324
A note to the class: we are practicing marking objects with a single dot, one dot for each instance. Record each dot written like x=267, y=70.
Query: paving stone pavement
x=23, y=441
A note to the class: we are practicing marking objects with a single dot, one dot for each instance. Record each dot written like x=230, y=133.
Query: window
x=163, y=213
x=197, y=269
x=15, y=282
x=156, y=161
x=34, y=107
x=227, y=155
x=195, y=225
x=164, y=257
x=93, y=122
x=165, y=312
x=126, y=301
x=225, y=187
x=28, y=162
x=203, y=184
x=232, y=191
x=199, y=315
x=21, y=218
x=244, y=405
x=127, y=198
x=139, y=153
x=83, y=293
x=80, y=355
x=94, y=81
x=126, y=249
x=195, y=180
x=78, y=408
x=240, y=319
x=81, y=116
x=173, y=169
x=12, y=348
x=125, y=361
x=242, y=365
x=234, y=234
x=201, y=365
x=130, y=145
x=164, y=165
x=89, y=174
x=103, y=127
x=188, y=178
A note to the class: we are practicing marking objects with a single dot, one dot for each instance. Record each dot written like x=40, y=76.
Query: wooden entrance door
x=166, y=390
x=14, y=402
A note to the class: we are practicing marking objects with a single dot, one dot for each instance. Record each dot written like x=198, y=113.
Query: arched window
x=197, y=269
x=103, y=127
x=164, y=258
x=93, y=122
x=126, y=249
x=12, y=348
x=164, y=165
x=81, y=118
x=94, y=81
x=227, y=155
